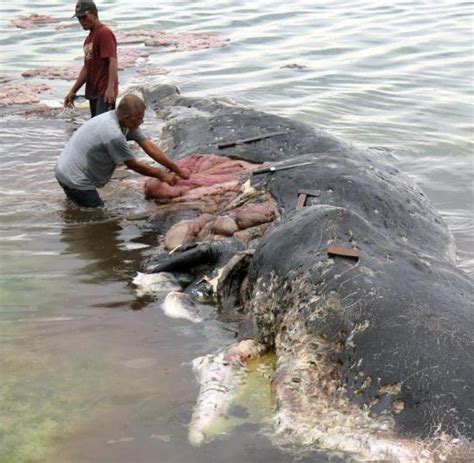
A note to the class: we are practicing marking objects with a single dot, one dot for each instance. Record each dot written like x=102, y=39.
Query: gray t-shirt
x=89, y=159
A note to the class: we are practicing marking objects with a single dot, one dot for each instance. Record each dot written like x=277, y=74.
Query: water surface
x=93, y=373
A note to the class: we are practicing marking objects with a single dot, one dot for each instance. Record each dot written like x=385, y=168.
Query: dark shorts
x=98, y=106
x=84, y=198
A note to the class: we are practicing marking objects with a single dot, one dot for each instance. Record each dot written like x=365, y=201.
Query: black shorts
x=84, y=198
x=97, y=106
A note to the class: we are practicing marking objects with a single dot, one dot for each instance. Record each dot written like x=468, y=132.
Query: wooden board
x=301, y=201
x=339, y=251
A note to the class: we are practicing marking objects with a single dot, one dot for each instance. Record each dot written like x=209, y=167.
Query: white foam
x=133, y=246
x=180, y=305
x=151, y=283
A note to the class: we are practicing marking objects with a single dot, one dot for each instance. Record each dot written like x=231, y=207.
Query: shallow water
x=90, y=371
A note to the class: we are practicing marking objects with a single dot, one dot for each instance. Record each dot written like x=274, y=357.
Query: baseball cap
x=83, y=6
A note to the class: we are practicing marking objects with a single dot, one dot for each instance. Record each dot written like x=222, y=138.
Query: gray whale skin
x=397, y=324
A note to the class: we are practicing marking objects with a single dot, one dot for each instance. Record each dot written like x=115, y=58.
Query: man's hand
x=157, y=155
x=168, y=177
x=183, y=173
x=109, y=97
x=69, y=100
x=81, y=80
x=149, y=171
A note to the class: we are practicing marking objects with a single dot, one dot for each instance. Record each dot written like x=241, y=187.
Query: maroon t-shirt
x=99, y=45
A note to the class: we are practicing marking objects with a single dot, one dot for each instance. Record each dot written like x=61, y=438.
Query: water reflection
x=102, y=242
x=94, y=237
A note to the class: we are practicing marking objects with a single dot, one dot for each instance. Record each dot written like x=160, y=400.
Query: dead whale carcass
x=397, y=324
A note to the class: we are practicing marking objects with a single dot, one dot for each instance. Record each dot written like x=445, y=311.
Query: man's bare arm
x=150, y=171
x=81, y=80
x=159, y=156
x=109, y=95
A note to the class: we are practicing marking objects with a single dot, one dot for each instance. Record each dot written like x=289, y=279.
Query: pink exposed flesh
x=210, y=174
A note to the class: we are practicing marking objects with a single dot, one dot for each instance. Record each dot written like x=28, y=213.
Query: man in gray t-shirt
x=89, y=159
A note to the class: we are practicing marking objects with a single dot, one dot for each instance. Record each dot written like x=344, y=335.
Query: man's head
x=86, y=13
x=131, y=111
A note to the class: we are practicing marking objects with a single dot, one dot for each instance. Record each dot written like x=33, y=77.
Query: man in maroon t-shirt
x=100, y=69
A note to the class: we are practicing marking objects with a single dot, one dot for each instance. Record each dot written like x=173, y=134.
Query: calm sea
x=90, y=372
